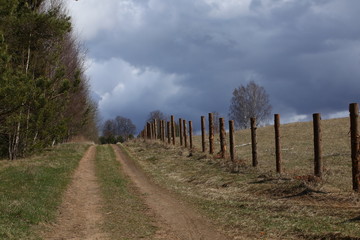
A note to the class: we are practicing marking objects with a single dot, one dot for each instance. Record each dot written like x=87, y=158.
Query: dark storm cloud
x=185, y=57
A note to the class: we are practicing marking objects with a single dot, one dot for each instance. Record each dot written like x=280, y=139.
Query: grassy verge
x=126, y=215
x=258, y=203
x=31, y=189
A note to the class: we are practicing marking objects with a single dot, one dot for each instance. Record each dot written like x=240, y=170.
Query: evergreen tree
x=44, y=97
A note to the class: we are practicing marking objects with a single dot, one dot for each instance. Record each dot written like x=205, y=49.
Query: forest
x=44, y=95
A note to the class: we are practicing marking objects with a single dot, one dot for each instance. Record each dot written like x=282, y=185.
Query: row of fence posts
x=156, y=130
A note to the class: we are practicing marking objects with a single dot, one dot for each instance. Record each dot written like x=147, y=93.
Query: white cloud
x=296, y=118
x=340, y=114
x=228, y=9
x=123, y=86
x=91, y=17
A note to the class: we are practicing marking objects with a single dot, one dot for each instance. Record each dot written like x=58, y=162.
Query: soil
x=175, y=218
x=80, y=215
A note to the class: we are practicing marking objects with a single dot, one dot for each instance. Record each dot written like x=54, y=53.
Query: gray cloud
x=185, y=57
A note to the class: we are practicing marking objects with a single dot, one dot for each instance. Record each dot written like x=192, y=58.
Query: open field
x=258, y=203
x=297, y=150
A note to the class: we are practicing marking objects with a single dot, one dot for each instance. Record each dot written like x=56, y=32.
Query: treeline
x=117, y=130
x=44, y=96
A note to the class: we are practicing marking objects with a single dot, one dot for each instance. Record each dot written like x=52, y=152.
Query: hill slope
x=258, y=203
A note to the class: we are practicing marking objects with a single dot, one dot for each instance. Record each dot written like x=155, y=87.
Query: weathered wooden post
x=185, y=133
x=355, y=156
x=191, y=134
x=318, y=165
x=168, y=131
x=211, y=133
x=149, y=133
x=222, y=137
x=163, y=130
x=253, y=142
x=152, y=130
x=159, y=124
x=155, y=129
x=173, y=129
x=160, y=130
x=145, y=132
x=277, y=143
x=180, y=131
x=203, y=134
x=232, y=141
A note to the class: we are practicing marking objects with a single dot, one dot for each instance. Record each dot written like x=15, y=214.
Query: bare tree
x=157, y=114
x=247, y=102
x=109, y=128
x=124, y=127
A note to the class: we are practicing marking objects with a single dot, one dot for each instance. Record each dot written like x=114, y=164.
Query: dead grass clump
x=329, y=236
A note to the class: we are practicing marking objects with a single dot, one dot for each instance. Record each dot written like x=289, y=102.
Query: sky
x=185, y=57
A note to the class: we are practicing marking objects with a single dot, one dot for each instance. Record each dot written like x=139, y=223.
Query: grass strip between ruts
x=126, y=215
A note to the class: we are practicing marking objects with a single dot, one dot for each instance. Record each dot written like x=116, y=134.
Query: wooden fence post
x=149, y=131
x=222, y=137
x=160, y=130
x=185, y=133
x=232, y=141
x=211, y=133
x=168, y=131
x=152, y=130
x=163, y=130
x=180, y=131
x=277, y=143
x=318, y=165
x=253, y=142
x=145, y=132
x=191, y=134
x=355, y=156
x=155, y=129
x=173, y=129
x=203, y=134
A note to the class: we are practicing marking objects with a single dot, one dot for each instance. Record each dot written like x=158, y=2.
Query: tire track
x=80, y=216
x=175, y=218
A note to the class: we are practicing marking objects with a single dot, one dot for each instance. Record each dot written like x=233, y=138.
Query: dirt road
x=80, y=215
x=176, y=220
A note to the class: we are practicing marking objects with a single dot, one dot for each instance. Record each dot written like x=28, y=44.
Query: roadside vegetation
x=44, y=95
x=31, y=189
x=258, y=203
x=125, y=213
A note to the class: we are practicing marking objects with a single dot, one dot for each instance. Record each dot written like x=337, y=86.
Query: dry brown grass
x=297, y=150
x=258, y=203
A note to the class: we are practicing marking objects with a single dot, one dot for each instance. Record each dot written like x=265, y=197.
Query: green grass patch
x=31, y=189
x=126, y=216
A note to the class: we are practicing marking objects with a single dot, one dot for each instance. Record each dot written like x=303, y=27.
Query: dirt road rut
x=80, y=214
x=176, y=219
